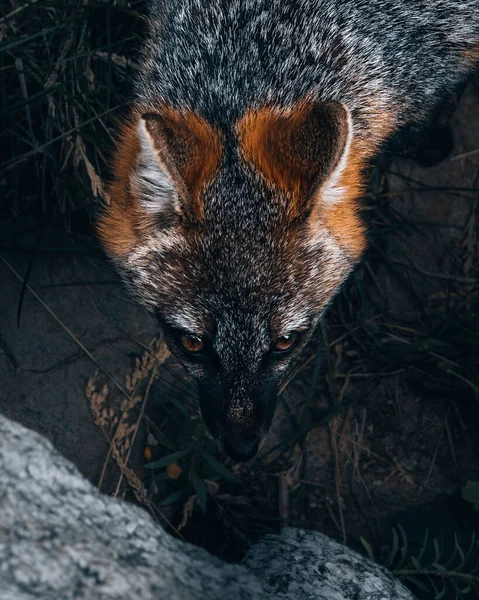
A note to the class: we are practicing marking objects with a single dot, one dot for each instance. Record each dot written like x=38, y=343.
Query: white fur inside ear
x=331, y=192
x=150, y=180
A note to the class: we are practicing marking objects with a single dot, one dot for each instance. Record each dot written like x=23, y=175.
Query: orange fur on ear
x=342, y=218
x=187, y=146
x=116, y=226
x=191, y=150
x=295, y=149
x=309, y=151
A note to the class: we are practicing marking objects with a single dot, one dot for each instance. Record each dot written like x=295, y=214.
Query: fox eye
x=285, y=343
x=192, y=343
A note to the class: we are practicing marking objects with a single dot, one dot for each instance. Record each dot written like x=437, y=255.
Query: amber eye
x=285, y=342
x=192, y=343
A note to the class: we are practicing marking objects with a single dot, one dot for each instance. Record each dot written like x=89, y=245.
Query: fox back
x=235, y=205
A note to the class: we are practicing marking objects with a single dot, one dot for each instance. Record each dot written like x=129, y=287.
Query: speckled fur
x=246, y=273
x=223, y=56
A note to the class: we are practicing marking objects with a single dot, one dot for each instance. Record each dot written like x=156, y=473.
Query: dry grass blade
x=161, y=353
x=124, y=435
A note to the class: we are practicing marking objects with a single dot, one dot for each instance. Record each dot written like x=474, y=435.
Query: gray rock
x=60, y=539
x=309, y=565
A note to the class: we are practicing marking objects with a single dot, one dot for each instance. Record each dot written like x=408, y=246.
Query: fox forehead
x=208, y=283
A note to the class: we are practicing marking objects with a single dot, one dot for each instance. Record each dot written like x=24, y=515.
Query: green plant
x=442, y=567
x=197, y=470
x=470, y=493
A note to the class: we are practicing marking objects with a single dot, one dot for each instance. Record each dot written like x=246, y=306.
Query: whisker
x=290, y=378
x=175, y=396
x=158, y=376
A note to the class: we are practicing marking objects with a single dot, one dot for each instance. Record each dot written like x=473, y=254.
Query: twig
x=464, y=155
x=337, y=476
x=17, y=10
x=9, y=164
x=283, y=500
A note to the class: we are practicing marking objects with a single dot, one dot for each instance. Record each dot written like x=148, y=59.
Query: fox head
x=236, y=238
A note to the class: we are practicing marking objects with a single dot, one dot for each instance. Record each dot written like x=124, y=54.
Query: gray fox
x=238, y=174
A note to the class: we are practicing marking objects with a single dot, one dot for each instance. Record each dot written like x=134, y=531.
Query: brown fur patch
x=190, y=149
x=342, y=218
x=471, y=54
x=116, y=226
x=294, y=149
x=297, y=149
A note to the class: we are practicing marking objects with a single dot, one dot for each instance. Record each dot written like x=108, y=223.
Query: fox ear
x=179, y=155
x=151, y=181
x=164, y=160
x=298, y=150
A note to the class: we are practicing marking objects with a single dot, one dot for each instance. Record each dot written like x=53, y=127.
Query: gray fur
x=222, y=56
x=245, y=275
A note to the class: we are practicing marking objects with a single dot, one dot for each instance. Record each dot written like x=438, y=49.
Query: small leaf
x=172, y=498
x=416, y=563
x=437, y=551
x=200, y=489
x=456, y=588
x=418, y=583
x=163, y=440
x=459, y=550
x=432, y=584
x=449, y=562
x=439, y=567
x=394, y=548
x=367, y=547
x=404, y=549
x=470, y=493
x=472, y=546
x=167, y=460
x=441, y=594
x=424, y=546
x=218, y=468
x=179, y=405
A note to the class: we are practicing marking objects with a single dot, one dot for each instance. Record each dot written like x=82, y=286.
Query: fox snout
x=239, y=418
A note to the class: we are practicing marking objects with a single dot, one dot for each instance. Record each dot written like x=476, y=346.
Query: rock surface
x=309, y=565
x=60, y=539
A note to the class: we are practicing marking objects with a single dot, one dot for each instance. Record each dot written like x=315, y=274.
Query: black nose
x=241, y=451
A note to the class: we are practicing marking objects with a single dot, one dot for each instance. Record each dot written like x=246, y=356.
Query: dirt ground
x=379, y=426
